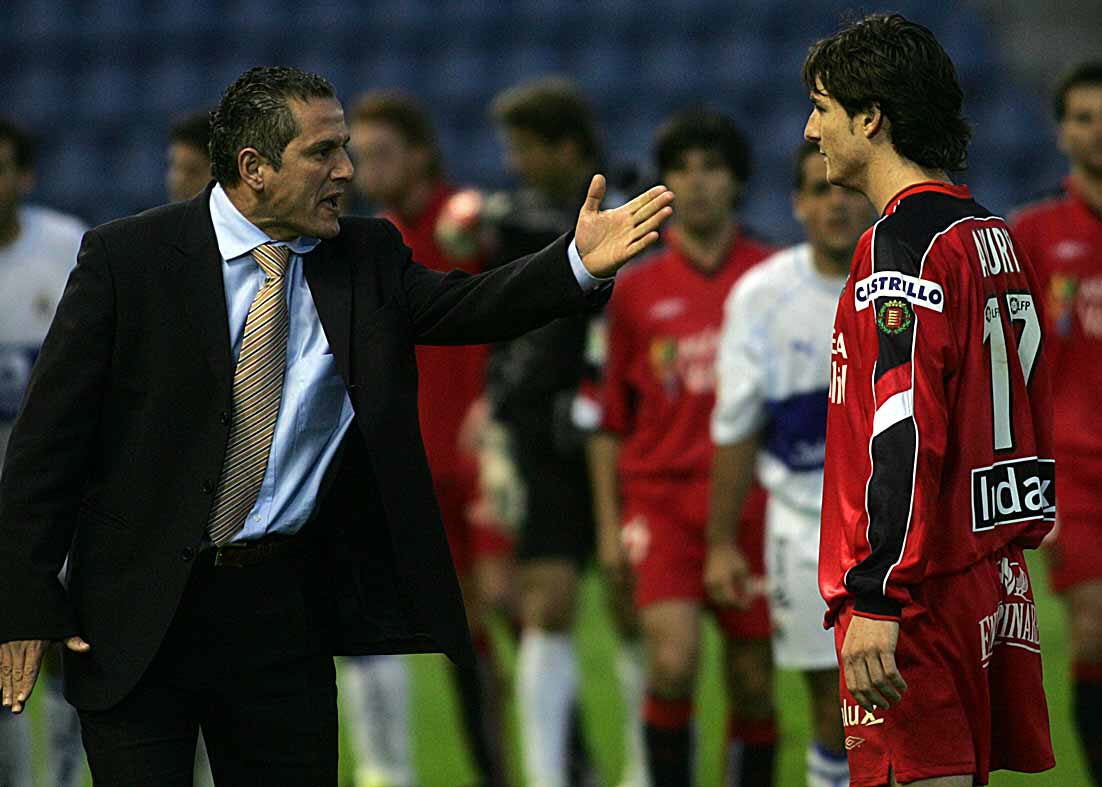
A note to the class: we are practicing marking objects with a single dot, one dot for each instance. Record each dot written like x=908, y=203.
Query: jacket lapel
x=330, y=279
x=197, y=266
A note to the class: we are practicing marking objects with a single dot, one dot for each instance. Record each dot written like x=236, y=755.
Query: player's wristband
x=878, y=607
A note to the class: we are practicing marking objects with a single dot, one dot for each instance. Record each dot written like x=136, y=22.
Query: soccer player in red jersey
x=652, y=459
x=399, y=170
x=939, y=460
x=1062, y=235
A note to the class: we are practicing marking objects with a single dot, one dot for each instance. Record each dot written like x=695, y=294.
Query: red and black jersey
x=449, y=378
x=658, y=393
x=939, y=428
x=1062, y=236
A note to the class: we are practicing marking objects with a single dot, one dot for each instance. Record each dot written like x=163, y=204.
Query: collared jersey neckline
x=938, y=186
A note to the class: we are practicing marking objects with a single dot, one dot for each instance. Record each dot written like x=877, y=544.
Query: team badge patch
x=894, y=316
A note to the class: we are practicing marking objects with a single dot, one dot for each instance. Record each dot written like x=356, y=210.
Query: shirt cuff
x=586, y=280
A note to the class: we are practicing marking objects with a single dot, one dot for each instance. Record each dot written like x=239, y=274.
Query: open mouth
x=333, y=201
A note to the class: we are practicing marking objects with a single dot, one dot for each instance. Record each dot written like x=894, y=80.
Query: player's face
x=188, y=171
x=387, y=166
x=539, y=163
x=1081, y=128
x=303, y=196
x=833, y=217
x=834, y=131
x=705, y=189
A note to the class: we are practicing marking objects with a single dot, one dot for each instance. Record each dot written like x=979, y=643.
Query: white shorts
x=792, y=568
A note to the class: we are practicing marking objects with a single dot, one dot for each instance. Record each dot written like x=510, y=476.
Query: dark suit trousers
x=243, y=661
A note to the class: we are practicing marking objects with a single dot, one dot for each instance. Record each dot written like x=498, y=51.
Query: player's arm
x=912, y=356
x=603, y=449
x=616, y=401
x=736, y=423
x=726, y=571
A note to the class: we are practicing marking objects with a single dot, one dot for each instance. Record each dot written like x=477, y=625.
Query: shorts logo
x=894, y=316
x=1014, y=577
x=889, y=284
x=1016, y=490
x=852, y=742
x=856, y=716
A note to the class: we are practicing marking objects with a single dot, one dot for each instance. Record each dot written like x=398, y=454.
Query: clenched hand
x=606, y=239
x=868, y=659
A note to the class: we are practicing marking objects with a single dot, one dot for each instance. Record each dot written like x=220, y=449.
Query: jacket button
x=224, y=418
x=208, y=487
x=186, y=554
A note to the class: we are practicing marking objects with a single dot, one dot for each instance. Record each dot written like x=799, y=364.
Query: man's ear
x=250, y=167
x=872, y=120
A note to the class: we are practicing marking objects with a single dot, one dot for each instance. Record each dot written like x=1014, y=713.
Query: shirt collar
x=237, y=236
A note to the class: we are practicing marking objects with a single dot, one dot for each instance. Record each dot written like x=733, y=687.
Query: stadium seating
x=103, y=79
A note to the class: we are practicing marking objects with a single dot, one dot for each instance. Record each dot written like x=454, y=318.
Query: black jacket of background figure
x=123, y=432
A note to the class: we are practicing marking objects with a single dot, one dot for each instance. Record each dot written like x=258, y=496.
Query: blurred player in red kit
x=399, y=170
x=1062, y=235
x=939, y=458
x=651, y=461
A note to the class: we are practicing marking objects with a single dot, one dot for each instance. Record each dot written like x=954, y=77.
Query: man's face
x=303, y=196
x=539, y=163
x=1081, y=128
x=188, y=171
x=835, y=132
x=387, y=166
x=705, y=189
x=13, y=182
x=833, y=217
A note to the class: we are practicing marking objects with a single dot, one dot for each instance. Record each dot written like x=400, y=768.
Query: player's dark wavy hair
x=888, y=61
x=1089, y=74
x=255, y=113
x=552, y=108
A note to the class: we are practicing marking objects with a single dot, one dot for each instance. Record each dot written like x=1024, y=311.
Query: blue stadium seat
x=38, y=96
x=107, y=92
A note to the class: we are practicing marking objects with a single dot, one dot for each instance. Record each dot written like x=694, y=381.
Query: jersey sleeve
x=912, y=355
x=616, y=397
x=740, y=375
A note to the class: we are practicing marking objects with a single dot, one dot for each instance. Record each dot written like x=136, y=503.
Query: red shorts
x=969, y=651
x=664, y=532
x=469, y=542
x=1075, y=556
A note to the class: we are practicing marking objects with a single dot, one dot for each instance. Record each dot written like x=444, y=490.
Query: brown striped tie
x=257, y=388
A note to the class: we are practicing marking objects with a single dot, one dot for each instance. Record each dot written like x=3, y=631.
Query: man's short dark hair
x=405, y=115
x=802, y=154
x=192, y=130
x=888, y=61
x=553, y=109
x=255, y=112
x=22, y=144
x=1089, y=73
x=702, y=129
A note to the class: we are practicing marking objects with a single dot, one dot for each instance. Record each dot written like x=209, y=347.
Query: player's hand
x=20, y=661
x=727, y=576
x=613, y=558
x=606, y=239
x=868, y=659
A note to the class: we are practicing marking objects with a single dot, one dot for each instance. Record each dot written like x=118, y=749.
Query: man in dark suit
x=222, y=433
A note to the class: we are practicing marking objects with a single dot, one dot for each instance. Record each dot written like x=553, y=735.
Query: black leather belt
x=249, y=553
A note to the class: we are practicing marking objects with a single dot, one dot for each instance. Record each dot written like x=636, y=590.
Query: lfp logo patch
x=894, y=316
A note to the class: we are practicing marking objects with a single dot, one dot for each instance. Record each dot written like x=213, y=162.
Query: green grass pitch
x=441, y=760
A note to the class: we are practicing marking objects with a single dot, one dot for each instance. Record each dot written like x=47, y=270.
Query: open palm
x=606, y=239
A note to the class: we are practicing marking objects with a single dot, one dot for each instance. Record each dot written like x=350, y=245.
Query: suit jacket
x=117, y=451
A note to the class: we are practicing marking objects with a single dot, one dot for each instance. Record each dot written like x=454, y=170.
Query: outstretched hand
x=20, y=661
x=606, y=239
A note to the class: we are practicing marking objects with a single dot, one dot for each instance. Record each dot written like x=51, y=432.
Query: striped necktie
x=257, y=388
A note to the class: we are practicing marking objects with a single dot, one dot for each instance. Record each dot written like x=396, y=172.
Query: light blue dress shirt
x=315, y=410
